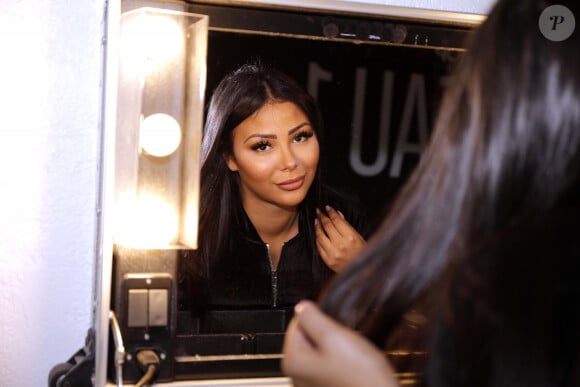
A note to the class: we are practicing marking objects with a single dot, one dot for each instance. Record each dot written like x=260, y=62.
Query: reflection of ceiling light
x=160, y=135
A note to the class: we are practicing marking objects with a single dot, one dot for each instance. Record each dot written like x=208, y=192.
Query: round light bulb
x=146, y=221
x=160, y=135
x=152, y=40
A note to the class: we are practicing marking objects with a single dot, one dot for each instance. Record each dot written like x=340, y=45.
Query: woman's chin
x=291, y=201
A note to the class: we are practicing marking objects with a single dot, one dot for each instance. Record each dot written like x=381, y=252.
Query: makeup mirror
x=377, y=74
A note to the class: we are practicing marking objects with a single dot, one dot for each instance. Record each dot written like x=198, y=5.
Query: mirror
x=377, y=79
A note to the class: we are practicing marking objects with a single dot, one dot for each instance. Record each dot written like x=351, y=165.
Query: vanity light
x=160, y=135
x=161, y=84
x=145, y=221
x=152, y=39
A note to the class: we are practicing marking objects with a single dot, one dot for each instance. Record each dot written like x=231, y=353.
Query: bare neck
x=272, y=222
x=275, y=225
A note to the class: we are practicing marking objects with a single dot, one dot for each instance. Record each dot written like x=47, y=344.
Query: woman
x=270, y=232
x=483, y=238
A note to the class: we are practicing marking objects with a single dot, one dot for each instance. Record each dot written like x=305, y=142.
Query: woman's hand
x=337, y=241
x=318, y=351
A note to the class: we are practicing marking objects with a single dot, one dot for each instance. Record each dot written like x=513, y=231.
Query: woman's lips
x=291, y=184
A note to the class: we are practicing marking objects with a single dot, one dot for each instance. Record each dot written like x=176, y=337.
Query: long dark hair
x=238, y=96
x=504, y=152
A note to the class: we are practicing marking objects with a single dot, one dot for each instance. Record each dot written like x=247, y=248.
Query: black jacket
x=242, y=277
x=245, y=278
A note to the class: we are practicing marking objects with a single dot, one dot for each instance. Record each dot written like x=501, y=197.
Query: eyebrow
x=273, y=136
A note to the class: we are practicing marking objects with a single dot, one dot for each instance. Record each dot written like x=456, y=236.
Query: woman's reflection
x=271, y=232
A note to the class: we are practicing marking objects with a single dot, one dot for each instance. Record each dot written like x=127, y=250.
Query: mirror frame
x=358, y=8
x=104, y=240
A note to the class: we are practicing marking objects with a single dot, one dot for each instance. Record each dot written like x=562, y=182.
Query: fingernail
x=299, y=307
x=315, y=221
x=328, y=208
x=341, y=214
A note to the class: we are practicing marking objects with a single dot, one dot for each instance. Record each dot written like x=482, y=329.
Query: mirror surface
x=378, y=83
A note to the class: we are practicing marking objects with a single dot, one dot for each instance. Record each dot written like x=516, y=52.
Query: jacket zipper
x=273, y=278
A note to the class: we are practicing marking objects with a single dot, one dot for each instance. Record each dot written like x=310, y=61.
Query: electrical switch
x=137, y=308
x=158, y=307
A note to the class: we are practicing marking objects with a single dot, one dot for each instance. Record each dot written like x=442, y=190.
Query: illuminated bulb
x=152, y=40
x=147, y=221
x=160, y=135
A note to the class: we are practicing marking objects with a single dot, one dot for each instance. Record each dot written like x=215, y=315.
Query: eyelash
x=305, y=134
x=259, y=146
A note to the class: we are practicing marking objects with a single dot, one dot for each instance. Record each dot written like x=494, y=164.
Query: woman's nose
x=287, y=158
